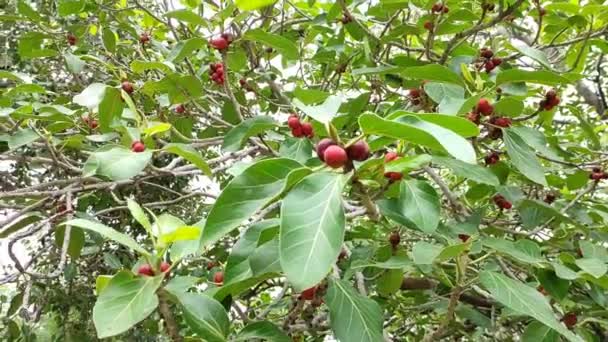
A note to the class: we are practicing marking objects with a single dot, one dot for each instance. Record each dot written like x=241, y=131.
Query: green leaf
x=417, y=207
x=91, y=96
x=205, y=316
x=586, y=127
x=538, y=332
x=180, y=284
x=185, y=48
x=407, y=163
x=297, y=149
x=591, y=250
x=283, y=45
x=378, y=70
x=265, y=258
x=67, y=7
x=596, y=267
x=539, y=77
x=518, y=251
x=509, y=106
x=425, y=253
x=262, y=330
x=101, y=282
x=74, y=63
x=76, y=240
x=458, y=125
x=564, y=272
x=110, y=109
x=395, y=262
x=190, y=154
x=109, y=233
x=475, y=173
x=432, y=72
x=20, y=138
x=246, y=194
x=27, y=11
x=555, y=286
x=525, y=300
x=352, y=316
x=534, y=213
x=324, y=112
x=117, y=163
x=312, y=228
x=109, y=39
x=533, y=53
x=250, y=5
x=236, y=137
x=141, y=66
x=523, y=157
x=310, y=96
x=452, y=251
x=184, y=233
x=417, y=131
x=237, y=265
x=537, y=140
x=186, y=16
x=124, y=302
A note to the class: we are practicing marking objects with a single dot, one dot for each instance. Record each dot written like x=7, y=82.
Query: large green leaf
x=190, y=154
x=285, y=46
x=186, y=16
x=237, y=136
x=425, y=253
x=205, y=316
x=475, y=173
x=125, y=301
x=312, y=228
x=296, y=148
x=540, y=77
x=262, y=330
x=457, y=124
x=324, y=112
x=352, y=316
x=250, y=5
x=534, y=213
x=417, y=206
x=411, y=128
x=538, y=332
x=185, y=48
x=432, y=72
x=593, y=266
x=525, y=300
x=533, y=53
x=523, y=157
x=117, y=163
x=523, y=250
x=265, y=258
x=246, y=194
x=91, y=96
x=109, y=233
x=110, y=109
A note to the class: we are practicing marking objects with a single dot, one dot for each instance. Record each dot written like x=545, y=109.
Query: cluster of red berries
x=91, y=122
x=221, y=42
x=550, y=101
x=502, y=202
x=216, y=70
x=180, y=109
x=492, y=158
x=597, y=174
x=144, y=38
x=439, y=7
x=72, y=39
x=300, y=129
x=489, y=61
x=393, y=176
x=336, y=156
x=218, y=278
x=245, y=85
x=127, y=87
x=501, y=121
x=570, y=320
x=415, y=95
x=483, y=108
x=147, y=270
x=394, y=239
x=138, y=146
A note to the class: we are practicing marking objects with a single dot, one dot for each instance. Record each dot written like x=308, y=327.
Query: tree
x=301, y=170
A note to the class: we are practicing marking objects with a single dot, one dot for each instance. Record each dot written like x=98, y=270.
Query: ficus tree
x=291, y=170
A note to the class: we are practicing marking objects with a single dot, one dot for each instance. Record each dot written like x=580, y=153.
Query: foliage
x=303, y=170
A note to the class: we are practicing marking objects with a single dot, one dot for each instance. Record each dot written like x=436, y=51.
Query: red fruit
x=428, y=25
x=489, y=66
x=393, y=176
x=335, y=156
x=463, y=237
x=390, y=156
x=486, y=53
x=218, y=277
x=554, y=101
x=308, y=294
x=93, y=124
x=542, y=11
x=597, y=176
x=145, y=269
x=502, y=202
x=497, y=61
x=293, y=122
x=322, y=146
x=358, y=151
x=549, y=198
x=164, y=266
x=297, y=132
x=394, y=239
x=138, y=146
x=180, y=109
x=343, y=254
x=438, y=7
x=445, y=9
x=307, y=130
x=228, y=36
x=127, y=87
x=414, y=93
x=72, y=39
x=542, y=290
x=570, y=320
x=243, y=82
x=492, y=158
x=550, y=94
x=144, y=38
x=210, y=265
x=219, y=43
x=484, y=107
x=502, y=122
x=474, y=117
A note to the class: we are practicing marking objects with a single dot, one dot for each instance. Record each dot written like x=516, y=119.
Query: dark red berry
x=228, y=37
x=474, y=117
x=144, y=38
x=393, y=176
x=72, y=39
x=164, y=266
x=542, y=11
x=394, y=239
x=414, y=93
x=93, y=124
x=437, y=8
x=335, y=156
x=243, y=82
x=502, y=202
x=496, y=61
x=486, y=53
x=145, y=269
x=127, y=87
x=570, y=320
x=293, y=122
x=138, y=146
x=484, y=107
x=463, y=237
x=297, y=132
x=218, y=278
x=501, y=122
x=542, y=290
x=358, y=151
x=390, y=156
x=210, y=265
x=307, y=130
x=428, y=25
x=308, y=294
x=322, y=146
x=180, y=109
x=219, y=43
x=549, y=198
x=492, y=158
x=489, y=66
